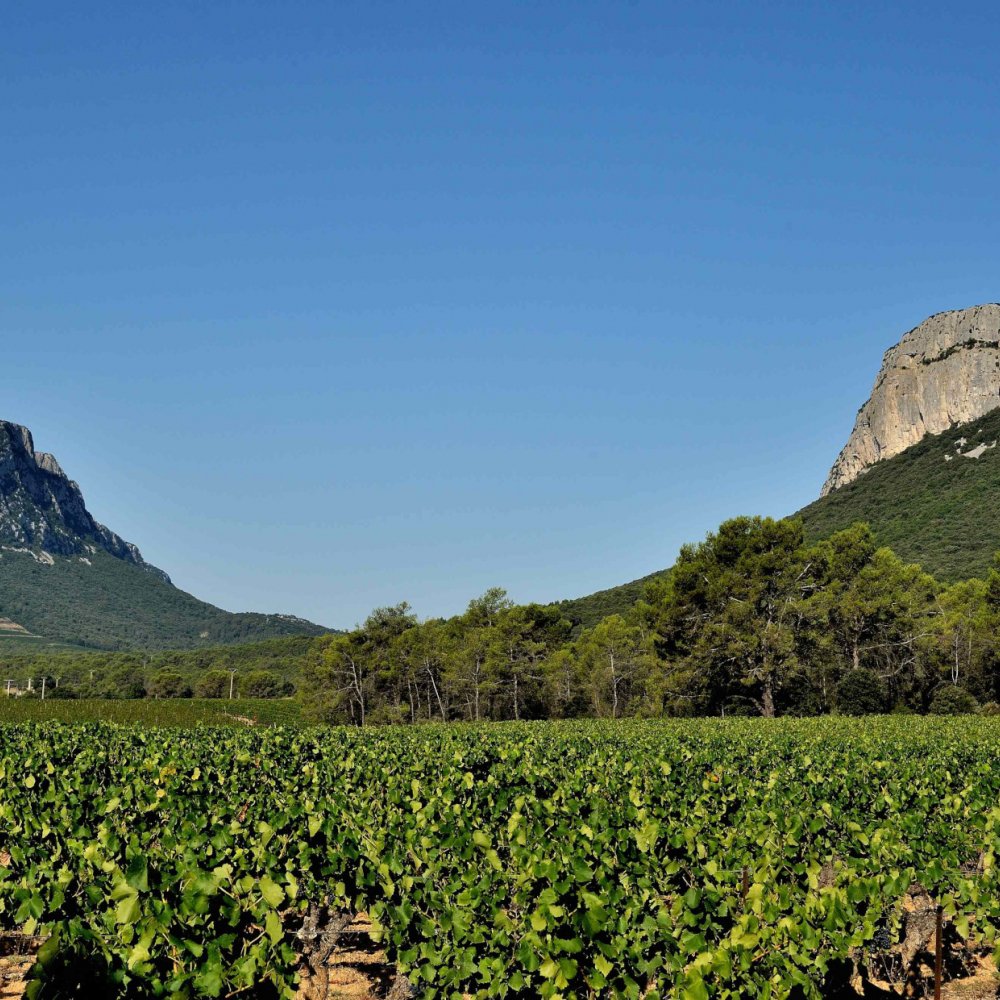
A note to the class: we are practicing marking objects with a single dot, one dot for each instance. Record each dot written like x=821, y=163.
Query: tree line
x=753, y=620
x=265, y=669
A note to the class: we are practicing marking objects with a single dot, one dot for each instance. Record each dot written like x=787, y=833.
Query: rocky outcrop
x=942, y=373
x=42, y=510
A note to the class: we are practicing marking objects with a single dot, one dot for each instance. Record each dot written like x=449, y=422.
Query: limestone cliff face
x=42, y=510
x=944, y=372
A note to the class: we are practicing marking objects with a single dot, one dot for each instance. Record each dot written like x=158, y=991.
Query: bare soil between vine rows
x=358, y=970
x=17, y=956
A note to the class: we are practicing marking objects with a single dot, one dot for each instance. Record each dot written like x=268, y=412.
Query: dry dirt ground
x=357, y=970
x=984, y=984
x=17, y=955
x=980, y=982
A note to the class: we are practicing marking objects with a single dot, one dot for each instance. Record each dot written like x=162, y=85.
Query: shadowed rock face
x=944, y=372
x=42, y=510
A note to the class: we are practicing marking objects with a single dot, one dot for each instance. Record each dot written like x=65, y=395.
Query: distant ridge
x=68, y=579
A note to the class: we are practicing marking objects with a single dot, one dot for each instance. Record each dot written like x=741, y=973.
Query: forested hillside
x=585, y=612
x=754, y=620
x=103, y=602
x=67, y=580
x=935, y=504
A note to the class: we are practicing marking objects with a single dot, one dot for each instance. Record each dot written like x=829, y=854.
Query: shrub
x=262, y=684
x=953, y=700
x=132, y=690
x=212, y=684
x=990, y=708
x=168, y=684
x=800, y=699
x=860, y=692
x=738, y=706
x=389, y=715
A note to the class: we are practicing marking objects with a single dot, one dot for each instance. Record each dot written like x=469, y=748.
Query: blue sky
x=328, y=306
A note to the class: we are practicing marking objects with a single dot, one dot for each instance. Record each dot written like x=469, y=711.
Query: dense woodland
x=751, y=621
x=754, y=620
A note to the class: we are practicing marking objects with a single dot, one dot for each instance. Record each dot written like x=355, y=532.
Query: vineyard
x=685, y=859
x=153, y=712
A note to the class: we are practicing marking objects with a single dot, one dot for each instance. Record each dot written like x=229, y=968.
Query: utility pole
x=232, y=680
x=9, y=681
x=43, y=688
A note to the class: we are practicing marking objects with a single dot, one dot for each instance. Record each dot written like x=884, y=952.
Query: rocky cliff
x=67, y=579
x=942, y=373
x=42, y=510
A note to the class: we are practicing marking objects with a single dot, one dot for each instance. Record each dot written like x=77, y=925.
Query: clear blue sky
x=329, y=305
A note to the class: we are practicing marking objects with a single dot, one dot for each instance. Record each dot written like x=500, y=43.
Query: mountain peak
x=48, y=463
x=65, y=578
x=42, y=510
x=944, y=372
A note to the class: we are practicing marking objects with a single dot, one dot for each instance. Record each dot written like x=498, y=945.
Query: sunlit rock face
x=42, y=510
x=944, y=372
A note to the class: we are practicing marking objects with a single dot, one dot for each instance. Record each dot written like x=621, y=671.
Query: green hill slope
x=942, y=512
x=102, y=602
x=585, y=612
x=67, y=580
x=931, y=504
